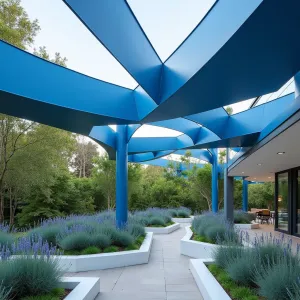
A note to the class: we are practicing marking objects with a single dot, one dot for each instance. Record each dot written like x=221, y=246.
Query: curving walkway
x=165, y=277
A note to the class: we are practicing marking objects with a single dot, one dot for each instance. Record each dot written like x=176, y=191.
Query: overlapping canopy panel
x=232, y=54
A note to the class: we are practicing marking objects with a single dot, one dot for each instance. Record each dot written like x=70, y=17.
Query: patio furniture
x=264, y=216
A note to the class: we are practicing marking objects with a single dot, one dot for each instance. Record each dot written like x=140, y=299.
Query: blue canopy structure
x=240, y=50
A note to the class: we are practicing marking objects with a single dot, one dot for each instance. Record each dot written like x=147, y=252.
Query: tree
x=201, y=184
x=261, y=195
x=63, y=196
x=58, y=59
x=31, y=155
x=229, y=110
x=104, y=177
x=15, y=26
x=222, y=156
x=83, y=159
x=186, y=159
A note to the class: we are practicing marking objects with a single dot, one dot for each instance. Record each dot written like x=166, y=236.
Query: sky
x=166, y=23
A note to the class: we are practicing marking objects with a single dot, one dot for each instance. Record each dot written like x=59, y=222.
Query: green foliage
x=84, y=155
x=157, y=221
x=203, y=239
x=139, y=241
x=214, y=228
x=226, y=254
x=261, y=195
x=100, y=240
x=55, y=294
x=90, y=250
x=48, y=233
x=241, y=270
x=6, y=239
x=216, y=233
x=4, y=292
x=241, y=217
x=29, y=276
x=75, y=241
x=294, y=292
x=276, y=281
x=237, y=292
x=132, y=247
x=122, y=239
x=15, y=26
x=242, y=293
x=136, y=230
x=182, y=214
x=269, y=266
x=42, y=52
x=62, y=196
x=111, y=249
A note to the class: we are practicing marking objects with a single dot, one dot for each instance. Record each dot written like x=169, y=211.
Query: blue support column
x=122, y=177
x=214, y=181
x=245, y=195
x=228, y=192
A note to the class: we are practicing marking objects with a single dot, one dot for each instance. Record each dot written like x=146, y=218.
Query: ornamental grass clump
x=214, y=228
x=29, y=275
x=294, y=291
x=100, y=240
x=48, y=233
x=157, y=221
x=268, y=267
x=33, y=270
x=75, y=241
x=275, y=281
x=241, y=217
x=182, y=214
x=6, y=239
x=123, y=239
x=75, y=233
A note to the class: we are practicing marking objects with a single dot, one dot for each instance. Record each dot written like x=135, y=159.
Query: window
x=282, y=201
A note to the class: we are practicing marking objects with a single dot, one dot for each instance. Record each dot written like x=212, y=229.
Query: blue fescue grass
x=28, y=275
x=214, y=227
x=77, y=232
x=269, y=266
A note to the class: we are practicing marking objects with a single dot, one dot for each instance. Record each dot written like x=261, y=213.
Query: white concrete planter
x=83, y=288
x=82, y=263
x=208, y=285
x=163, y=230
x=195, y=249
x=246, y=226
x=183, y=220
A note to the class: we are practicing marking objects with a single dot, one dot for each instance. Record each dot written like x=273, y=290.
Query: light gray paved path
x=165, y=277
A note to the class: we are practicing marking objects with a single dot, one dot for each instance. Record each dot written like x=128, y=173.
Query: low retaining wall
x=83, y=288
x=183, y=220
x=195, y=249
x=81, y=263
x=208, y=285
x=163, y=230
x=246, y=226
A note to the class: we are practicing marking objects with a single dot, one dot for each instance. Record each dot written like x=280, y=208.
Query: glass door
x=296, y=204
x=282, y=202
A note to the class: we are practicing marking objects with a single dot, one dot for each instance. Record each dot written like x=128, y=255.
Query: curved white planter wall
x=208, y=285
x=183, y=220
x=81, y=263
x=163, y=230
x=246, y=226
x=195, y=249
x=83, y=288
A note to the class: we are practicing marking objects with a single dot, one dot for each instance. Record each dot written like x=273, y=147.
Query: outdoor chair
x=264, y=216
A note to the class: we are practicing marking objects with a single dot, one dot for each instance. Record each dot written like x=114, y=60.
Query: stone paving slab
x=165, y=277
